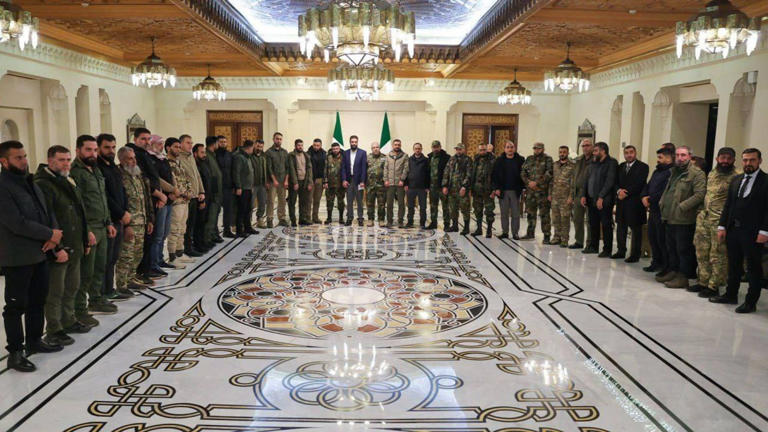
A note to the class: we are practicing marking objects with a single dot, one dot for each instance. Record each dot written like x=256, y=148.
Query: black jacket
x=506, y=173
x=654, y=189
x=117, y=200
x=224, y=158
x=25, y=223
x=443, y=159
x=751, y=212
x=601, y=182
x=630, y=211
x=418, y=173
x=144, y=161
x=163, y=167
x=318, y=162
x=205, y=177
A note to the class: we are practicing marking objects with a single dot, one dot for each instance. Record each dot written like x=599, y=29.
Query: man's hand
x=91, y=239
x=160, y=204
x=599, y=203
x=56, y=236
x=345, y=184
x=761, y=238
x=176, y=191
x=49, y=245
x=386, y=183
x=201, y=197
x=126, y=219
x=445, y=191
x=128, y=234
x=721, y=236
x=275, y=183
x=201, y=206
x=583, y=202
x=150, y=228
x=405, y=188
x=87, y=250
x=325, y=185
x=62, y=256
x=622, y=194
x=238, y=192
x=111, y=231
x=400, y=183
x=309, y=186
x=462, y=192
x=285, y=184
x=569, y=201
x=173, y=196
x=646, y=201
x=549, y=198
x=295, y=187
x=532, y=185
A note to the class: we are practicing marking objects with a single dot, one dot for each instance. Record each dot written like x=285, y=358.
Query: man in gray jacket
x=395, y=174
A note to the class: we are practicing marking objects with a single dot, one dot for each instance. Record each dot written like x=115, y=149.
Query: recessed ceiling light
x=632, y=11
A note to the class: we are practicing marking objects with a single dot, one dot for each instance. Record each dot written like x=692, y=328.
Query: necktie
x=628, y=166
x=744, y=186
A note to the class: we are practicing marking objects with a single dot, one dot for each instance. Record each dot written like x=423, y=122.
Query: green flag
x=338, y=137
x=386, y=140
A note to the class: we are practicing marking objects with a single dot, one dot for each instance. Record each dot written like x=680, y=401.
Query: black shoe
x=502, y=236
x=477, y=232
x=650, y=269
x=409, y=225
x=723, y=299
x=632, y=259
x=78, y=328
x=547, y=240
x=328, y=221
x=589, y=251
x=192, y=253
x=218, y=240
x=618, y=255
x=604, y=254
x=251, y=231
x=120, y=295
x=576, y=246
x=360, y=222
x=242, y=235
x=42, y=347
x=707, y=293
x=515, y=237
x=465, y=231
x=528, y=236
x=746, y=308
x=432, y=225
x=661, y=273
x=18, y=362
x=293, y=224
x=305, y=223
x=164, y=264
x=59, y=338
x=228, y=234
x=348, y=223
x=695, y=288
x=489, y=233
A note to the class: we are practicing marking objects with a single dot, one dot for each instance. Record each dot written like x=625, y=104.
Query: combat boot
x=452, y=227
x=680, y=281
x=479, y=230
x=666, y=277
x=465, y=231
x=489, y=231
x=528, y=236
x=432, y=225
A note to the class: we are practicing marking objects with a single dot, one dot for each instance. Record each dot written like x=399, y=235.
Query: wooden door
x=488, y=128
x=500, y=135
x=474, y=135
x=236, y=126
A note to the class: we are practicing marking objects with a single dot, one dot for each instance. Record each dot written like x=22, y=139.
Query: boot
x=452, y=227
x=546, y=240
x=489, y=232
x=432, y=225
x=269, y=223
x=679, y=281
x=341, y=215
x=696, y=288
x=528, y=236
x=666, y=277
x=465, y=231
x=17, y=361
x=479, y=230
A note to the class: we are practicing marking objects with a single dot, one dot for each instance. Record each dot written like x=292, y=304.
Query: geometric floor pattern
x=332, y=328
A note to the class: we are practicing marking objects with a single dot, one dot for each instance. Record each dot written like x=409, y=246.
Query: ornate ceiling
x=465, y=39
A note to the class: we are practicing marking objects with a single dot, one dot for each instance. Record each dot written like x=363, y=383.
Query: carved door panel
x=473, y=137
x=225, y=129
x=500, y=135
x=249, y=131
x=236, y=126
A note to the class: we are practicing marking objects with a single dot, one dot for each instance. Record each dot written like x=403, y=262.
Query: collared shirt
x=352, y=156
x=629, y=165
x=749, y=179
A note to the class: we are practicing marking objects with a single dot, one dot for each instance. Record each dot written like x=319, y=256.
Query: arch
x=614, y=137
x=637, y=126
x=82, y=111
x=9, y=130
x=661, y=121
x=105, y=112
x=740, y=115
x=58, y=111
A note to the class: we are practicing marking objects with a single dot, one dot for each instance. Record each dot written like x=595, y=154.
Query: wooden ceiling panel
x=625, y=5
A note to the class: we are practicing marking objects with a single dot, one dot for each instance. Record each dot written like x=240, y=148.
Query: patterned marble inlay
x=356, y=235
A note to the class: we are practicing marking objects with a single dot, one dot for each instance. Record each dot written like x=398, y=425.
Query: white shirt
x=352, y=156
x=747, y=189
x=629, y=165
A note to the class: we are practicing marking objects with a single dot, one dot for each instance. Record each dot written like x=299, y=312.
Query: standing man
x=202, y=241
x=278, y=167
x=456, y=182
x=318, y=155
x=537, y=176
x=243, y=180
x=651, y=197
x=64, y=203
x=416, y=184
x=562, y=183
x=482, y=189
x=214, y=194
x=353, y=175
x=599, y=195
x=711, y=254
x=580, y=173
x=375, y=191
x=630, y=213
x=197, y=194
x=261, y=181
x=28, y=231
x=680, y=204
x=300, y=182
x=508, y=187
x=180, y=207
x=744, y=227
x=224, y=158
x=438, y=159
x=163, y=216
x=332, y=183
x=395, y=173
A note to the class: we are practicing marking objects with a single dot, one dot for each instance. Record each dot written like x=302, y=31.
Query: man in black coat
x=416, y=185
x=599, y=196
x=28, y=232
x=224, y=158
x=630, y=213
x=651, y=196
x=744, y=228
x=318, y=156
x=438, y=159
x=508, y=188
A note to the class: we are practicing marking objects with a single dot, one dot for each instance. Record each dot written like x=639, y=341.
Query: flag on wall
x=338, y=137
x=386, y=140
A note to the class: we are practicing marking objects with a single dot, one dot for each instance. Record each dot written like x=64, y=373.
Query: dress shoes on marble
x=618, y=255
x=528, y=236
x=515, y=237
x=18, y=362
x=604, y=254
x=632, y=259
x=576, y=246
x=651, y=269
x=42, y=347
x=723, y=299
x=696, y=288
x=589, y=251
x=228, y=234
x=502, y=236
x=477, y=232
x=252, y=231
x=348, y=222
x=465, y=231
x=432, y=225
x=745, y=308
x=192, y=253
x=707, y=293
x=359, y=222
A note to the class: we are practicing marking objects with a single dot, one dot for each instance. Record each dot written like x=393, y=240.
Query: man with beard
x=580, y=173
x=28, y=230
x=508, y=187
x=438, y=159
x=375, y=192
x=277, y=162
x=711, y=254
x=242, y=179
x=332, y=183
x=224, y=158
x=562, y=179
x=318, y=156
x=537, y=177
x=201, y=240
x=395, y=173
x=213, y=192
x=630, y=213
x=651, y=196
x=63, y=200
x=261, y=180
x=116, y=200
x=300, y=182
x=197, y=194
x=456, y=182
x=180, y=207
x=482, y=189
x=91, y=183
x=599, y=195
x=354, y=167
x=416, y=185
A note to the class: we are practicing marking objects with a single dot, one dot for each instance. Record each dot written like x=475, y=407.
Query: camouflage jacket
x=562, y=179
x=182, y=180
x=458, y=172
x=332, y=175
x=539, y=170
x=376, y=170
x=717, y=192
x=482, y=169
x=139, y=201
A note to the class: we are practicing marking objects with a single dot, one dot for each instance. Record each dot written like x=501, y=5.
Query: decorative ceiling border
x=69, y=59
x=440, y=54
x=497, y=20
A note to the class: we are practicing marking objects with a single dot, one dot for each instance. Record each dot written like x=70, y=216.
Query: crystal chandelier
x=153, y=72
x=18, y=24
x=514, y=94
x=718, y=29
x=209, y=89
x=357, y=31
x=566, y=76
x=361, y=83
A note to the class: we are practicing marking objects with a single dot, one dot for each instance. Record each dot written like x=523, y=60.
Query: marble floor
x=332, y=328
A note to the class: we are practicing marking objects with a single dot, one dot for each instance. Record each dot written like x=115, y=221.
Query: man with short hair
x=537, y=177
x=180, y=207
x=560, y=192
x=332, y=183
x=277, y=157
x=395, y=173
x=243, y=180
x=197, y=194
x=201, y=237
x=482, y=189
x=163, y=215
x=416, y=185
x=456, y=181
x=318, y=156
x=89, y=179
x=599, y=195
x=438, y=159
x=354, y=166
x=651, y=197
x=630, y=213
x=508, y=187
x=261, y=181
x=214, y=194
x=28, y=232
x=580, y=173
x=375, y=191
x=300, y=183
x=680, y=203
x=224, y=158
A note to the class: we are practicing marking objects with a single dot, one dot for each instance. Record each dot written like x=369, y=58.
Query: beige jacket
x=396, y=168
x=188, y=162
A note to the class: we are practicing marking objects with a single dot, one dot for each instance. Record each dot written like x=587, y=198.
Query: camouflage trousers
x=337, y=193
x=130, y=257
x=481, y=200
x=561, y=219
x=456, y=203
x=711, y=255
x=535, y=202
x=376, y=201
x=435, y=196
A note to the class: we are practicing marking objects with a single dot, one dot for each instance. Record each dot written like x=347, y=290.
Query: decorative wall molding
x=62, y=57
x=662, y=99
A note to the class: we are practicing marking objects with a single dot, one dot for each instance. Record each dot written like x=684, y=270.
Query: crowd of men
x=89, y=230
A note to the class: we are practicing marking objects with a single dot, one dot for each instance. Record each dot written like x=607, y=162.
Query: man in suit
x=354, y=167
x=744, y=228
x=630, y=213
x=651, y=196
x=598, y=197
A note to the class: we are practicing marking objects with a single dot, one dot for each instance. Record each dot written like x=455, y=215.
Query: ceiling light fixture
x=18, y=24
x=153, y=72
x=566, y=76
x=515, y=93
x=357, y=31
x=209, y=89
x=718, y=29
x=361, y=83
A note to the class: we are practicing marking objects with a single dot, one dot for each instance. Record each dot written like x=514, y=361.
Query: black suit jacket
x=756, y=218
x=630, y=211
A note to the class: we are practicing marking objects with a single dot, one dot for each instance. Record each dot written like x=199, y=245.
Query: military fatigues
x=304, y=180
x=180, y=207
x=562, y=180
x=261, y=178
x=332, y=179
x=141, y=210
x=437, y=163
x=277, y=162
x=243, y=178
x=482, y=168
x=539, y=170
x=712, y=255
x=375, y=191
x=215, y=197
x=458, y=174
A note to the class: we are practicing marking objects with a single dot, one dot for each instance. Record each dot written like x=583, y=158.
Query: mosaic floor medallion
x=356, y=235
x=318, y=303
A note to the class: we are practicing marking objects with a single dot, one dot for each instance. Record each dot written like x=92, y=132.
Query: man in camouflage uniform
x=711, y=254
x=562, y=180
x=300, y=183
x=182, y=179
x=142, y=214
x=375, y=192
x=332, y=183
x=456, y=181
x=438, y=159
x=482, y=190
x=537, y=176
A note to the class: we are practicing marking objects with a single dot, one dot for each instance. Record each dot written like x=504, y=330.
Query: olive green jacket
x=92, y=189
x=242, y=170
x=684, y=195
x=293, y=176
x=261, y=173
x=62, y=198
